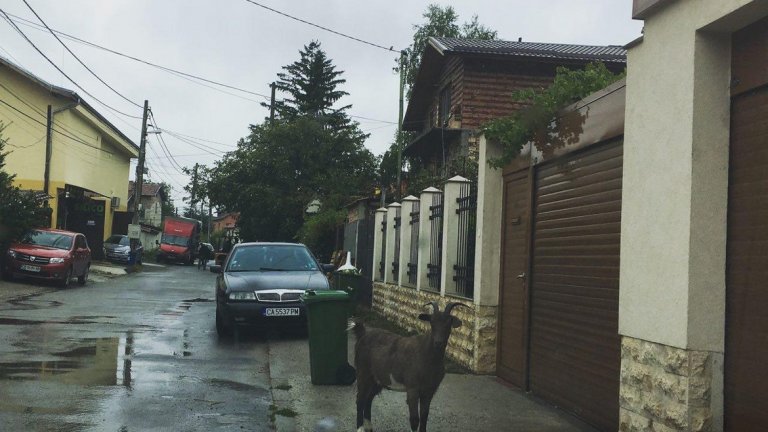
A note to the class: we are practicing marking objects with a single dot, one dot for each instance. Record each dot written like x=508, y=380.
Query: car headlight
x=242, y=296
x=57, y=260
x=11, y=253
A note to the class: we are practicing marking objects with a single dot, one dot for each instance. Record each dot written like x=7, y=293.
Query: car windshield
x=48, y=239
x=271, y=258
x=119, y=240
x=175, y=240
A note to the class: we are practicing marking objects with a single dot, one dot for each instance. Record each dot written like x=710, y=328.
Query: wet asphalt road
x=135, y=353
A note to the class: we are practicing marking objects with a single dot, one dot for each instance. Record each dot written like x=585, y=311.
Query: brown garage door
x=513, y=303
x=746, y=347
x=574, y=284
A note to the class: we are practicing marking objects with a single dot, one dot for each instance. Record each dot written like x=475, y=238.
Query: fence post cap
x=381, y=210
x=431, y=190
x=457, y=179
x=394, y=205
x=410, y=198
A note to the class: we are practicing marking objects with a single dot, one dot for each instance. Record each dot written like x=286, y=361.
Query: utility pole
x=272, y=104
x=210, y=216
x=400, y=126
x=139, y=184
x=48, y=150
x=193, y=192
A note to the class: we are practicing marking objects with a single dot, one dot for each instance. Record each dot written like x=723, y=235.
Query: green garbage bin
x=327, y=313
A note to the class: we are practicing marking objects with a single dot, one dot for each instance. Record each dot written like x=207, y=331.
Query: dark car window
x=175, y=240
x=271, y=258
x=48, y=239
x=119, y=240
x=80, y=242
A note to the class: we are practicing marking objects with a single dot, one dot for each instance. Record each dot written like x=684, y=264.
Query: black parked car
x=260, y=284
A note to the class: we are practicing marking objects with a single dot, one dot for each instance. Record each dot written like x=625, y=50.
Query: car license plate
x=281, y=312
x=31, y=268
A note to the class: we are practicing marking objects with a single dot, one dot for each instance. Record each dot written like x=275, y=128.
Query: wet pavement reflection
x=137, y=353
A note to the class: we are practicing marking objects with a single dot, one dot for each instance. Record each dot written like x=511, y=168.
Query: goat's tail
x=357, y=326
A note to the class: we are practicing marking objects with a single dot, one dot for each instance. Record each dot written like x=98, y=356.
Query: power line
x=56, y=130
x=18, y=30
x=172, y=71
x=43, y=113
x=163, y=145
x=199, y=139
x=391, y=48
x=155, y=65
x=78, y=58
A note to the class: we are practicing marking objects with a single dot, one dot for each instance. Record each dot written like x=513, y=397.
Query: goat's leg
x=424, y=402
x=360, y=411
x=413, y=408
x=364, y=404
x=367, y=426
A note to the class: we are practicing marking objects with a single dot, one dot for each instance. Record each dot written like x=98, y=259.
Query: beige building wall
x=100, y=162
x=674, y=207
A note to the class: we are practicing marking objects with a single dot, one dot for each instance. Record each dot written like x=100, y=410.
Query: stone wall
x=664, y=388
x=472, y=345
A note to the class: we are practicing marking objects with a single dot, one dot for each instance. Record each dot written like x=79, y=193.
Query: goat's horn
x=452, y=305
x=435, y=307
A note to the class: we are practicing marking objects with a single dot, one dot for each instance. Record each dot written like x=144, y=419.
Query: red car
x=50, y=254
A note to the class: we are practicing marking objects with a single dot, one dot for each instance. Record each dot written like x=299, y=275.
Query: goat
x=414, y=364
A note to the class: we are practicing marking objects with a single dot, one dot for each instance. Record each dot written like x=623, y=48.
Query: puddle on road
x=92, y=364
x=30, y=302
x=19, y=321
x=233, y=385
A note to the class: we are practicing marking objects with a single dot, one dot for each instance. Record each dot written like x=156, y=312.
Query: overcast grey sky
x=240, y=44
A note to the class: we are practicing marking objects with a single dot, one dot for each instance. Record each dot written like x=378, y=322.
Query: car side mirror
x=327, y=268
x=215, y=269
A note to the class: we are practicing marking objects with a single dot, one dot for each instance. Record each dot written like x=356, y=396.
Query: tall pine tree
x=312, y=84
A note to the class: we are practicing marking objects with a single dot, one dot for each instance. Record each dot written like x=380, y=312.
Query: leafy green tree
x=439, y=22
x=19, y=210
x=167, y=208
x=540, y=123
x=281, y=167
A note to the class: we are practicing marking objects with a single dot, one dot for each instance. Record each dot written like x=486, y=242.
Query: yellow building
x=83, y=171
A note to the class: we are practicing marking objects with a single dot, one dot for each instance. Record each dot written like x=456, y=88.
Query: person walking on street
x=202, y=256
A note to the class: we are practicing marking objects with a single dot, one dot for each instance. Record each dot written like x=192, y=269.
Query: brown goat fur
x=414, y=364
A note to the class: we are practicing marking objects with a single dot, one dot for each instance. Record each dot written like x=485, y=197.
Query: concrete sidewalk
x=463, y=402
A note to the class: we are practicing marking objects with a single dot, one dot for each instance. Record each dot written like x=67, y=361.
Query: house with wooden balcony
x=464, y=83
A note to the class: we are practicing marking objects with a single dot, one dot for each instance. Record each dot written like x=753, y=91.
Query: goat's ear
x=455, y=322
x=425, y=317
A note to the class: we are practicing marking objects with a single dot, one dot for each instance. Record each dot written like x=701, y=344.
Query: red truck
x=180, y=239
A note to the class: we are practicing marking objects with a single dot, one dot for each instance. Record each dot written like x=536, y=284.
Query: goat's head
x=442, y=322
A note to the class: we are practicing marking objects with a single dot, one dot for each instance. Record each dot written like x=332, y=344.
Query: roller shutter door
x=746, y=348
x=574, y=284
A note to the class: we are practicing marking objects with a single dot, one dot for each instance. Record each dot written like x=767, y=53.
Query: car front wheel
x=82, y=279
x=222, y=329
x=64, y=283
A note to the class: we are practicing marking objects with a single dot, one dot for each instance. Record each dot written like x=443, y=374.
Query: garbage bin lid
x=313, y=296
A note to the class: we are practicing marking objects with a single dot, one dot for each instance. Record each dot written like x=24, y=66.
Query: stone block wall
x=472, y=345
x=666, y=389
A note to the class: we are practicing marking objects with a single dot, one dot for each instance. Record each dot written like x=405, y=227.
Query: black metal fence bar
x=396, y=259
x=413, y=262
x=383, y=258
x=435, y=242
x=464, y=269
